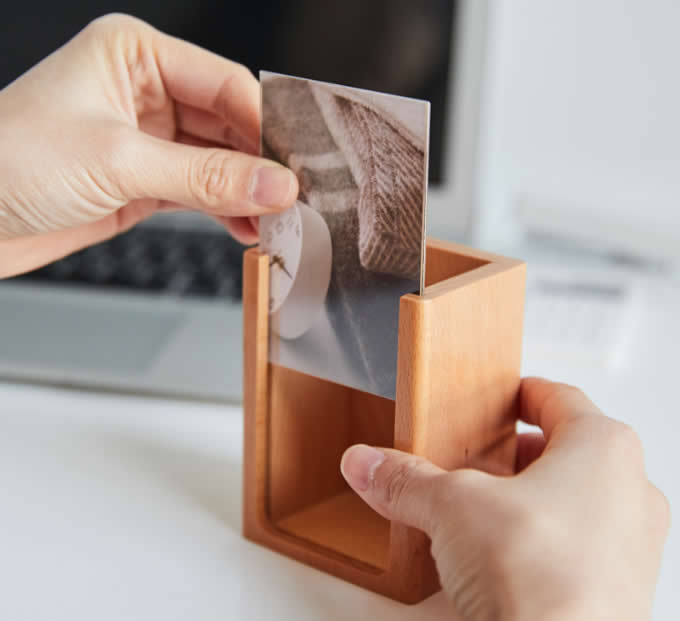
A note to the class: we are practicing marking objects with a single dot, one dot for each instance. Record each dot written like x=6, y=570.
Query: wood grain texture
x=255, y=390
x=309, y=429
x=457, y=383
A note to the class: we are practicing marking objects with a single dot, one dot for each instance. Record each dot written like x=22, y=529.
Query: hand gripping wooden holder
x=457, y=383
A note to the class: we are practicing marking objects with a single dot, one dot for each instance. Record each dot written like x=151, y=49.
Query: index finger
x=202, y=79
x=549, y=404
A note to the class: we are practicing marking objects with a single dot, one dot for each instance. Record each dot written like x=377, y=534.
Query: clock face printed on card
x=282, y=241
x=300, y=256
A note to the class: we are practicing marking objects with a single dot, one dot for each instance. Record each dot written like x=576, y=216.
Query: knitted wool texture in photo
x=388, y=169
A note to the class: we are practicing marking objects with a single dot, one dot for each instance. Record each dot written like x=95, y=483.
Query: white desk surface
x=119, y=507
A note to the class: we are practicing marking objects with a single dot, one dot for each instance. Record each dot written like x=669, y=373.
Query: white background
x=581, y=116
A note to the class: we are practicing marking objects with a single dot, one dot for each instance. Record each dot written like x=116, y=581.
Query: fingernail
x=359, y=464
x=271, y=186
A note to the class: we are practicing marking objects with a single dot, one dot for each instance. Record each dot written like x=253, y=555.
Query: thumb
x=218, y=181
x=399, y=486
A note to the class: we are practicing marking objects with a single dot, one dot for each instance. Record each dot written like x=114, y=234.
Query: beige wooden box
x=457, y=384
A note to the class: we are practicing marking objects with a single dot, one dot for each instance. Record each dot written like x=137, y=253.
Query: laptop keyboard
x=162, y=261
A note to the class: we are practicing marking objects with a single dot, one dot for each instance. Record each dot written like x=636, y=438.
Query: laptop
x=158, y=309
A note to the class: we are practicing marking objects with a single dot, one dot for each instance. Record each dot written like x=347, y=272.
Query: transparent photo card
x=354, y=242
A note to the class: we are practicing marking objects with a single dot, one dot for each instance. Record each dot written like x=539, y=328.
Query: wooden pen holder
x=457, y=383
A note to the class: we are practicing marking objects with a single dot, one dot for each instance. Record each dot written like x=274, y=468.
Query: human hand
x=121, y=121
x=577, y=533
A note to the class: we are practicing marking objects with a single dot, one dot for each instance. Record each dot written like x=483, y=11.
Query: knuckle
x=233, y=83
x=465, y=480
x=625, y=440
x=565, y=397
x=519, y=522
x=564, y=386
x=116, y=32
x=241, y=71
x=570, y=391
x=232, y=88
x=213, y=178
x=661, y=507
x=112, y=22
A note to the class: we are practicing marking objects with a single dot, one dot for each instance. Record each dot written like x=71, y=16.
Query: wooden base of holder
x=457, y=382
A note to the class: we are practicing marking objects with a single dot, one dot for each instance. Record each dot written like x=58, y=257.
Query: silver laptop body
x=169, y=341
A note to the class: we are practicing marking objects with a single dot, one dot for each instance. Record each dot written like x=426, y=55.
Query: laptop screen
x=395, y=46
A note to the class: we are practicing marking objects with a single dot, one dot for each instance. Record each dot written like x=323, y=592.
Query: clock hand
x=283, y=267
x=278, y=260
